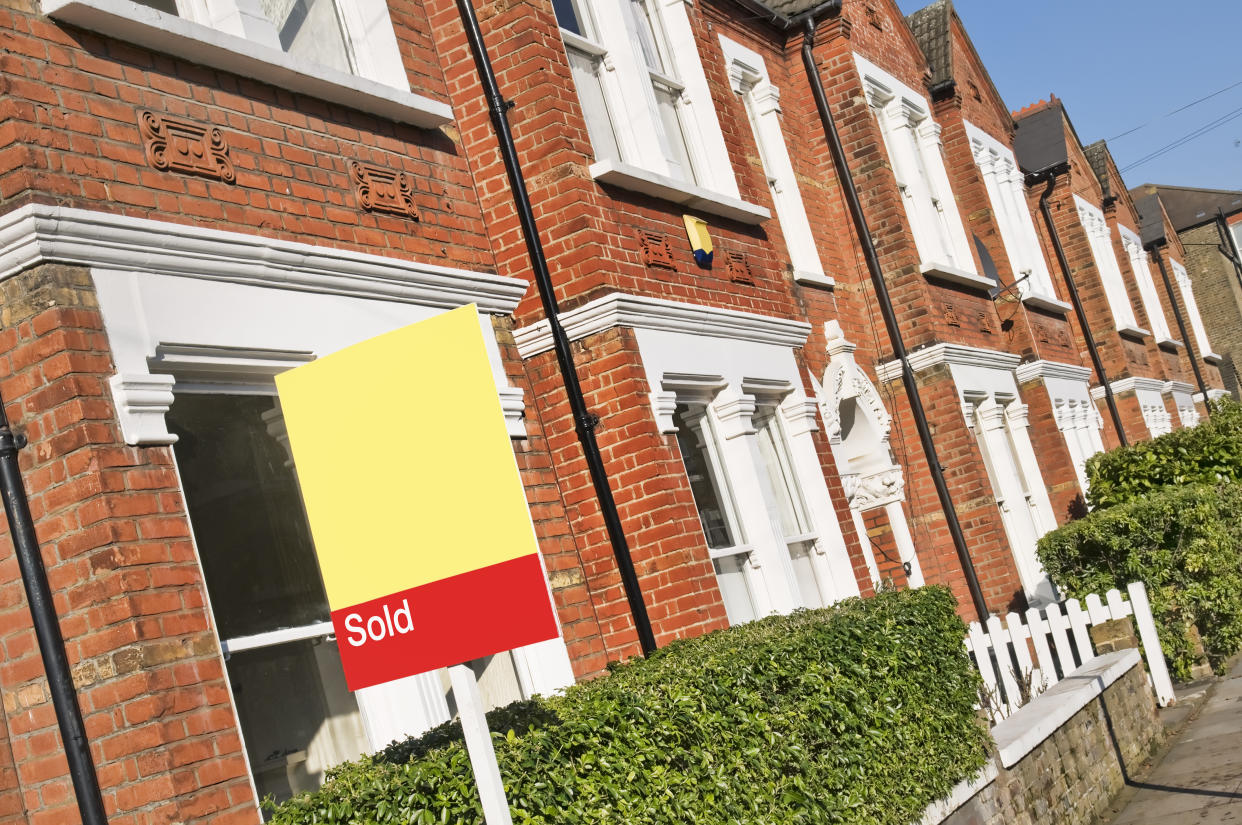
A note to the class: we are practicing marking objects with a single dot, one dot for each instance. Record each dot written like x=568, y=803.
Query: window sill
x=634, y=179
x=953, y=275
x=182, y=38
x=1169, y=344
x=1046, y=302
x=802, y=276
x=1213, y=359
x=1133, y=333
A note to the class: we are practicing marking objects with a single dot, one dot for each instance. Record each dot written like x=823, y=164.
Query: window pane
x=646, y=33
x=703, y=484
x=594, y=109
x=567, y=16
x=297, y=716
x=804, y=572
x=674, y=140
x=310, y=29
x=784, y=503
x=247, y=515
x=734, y=589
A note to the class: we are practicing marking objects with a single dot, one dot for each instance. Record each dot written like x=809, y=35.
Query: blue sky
x=1122, y=69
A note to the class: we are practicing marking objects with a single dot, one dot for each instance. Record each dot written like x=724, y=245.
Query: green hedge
x=861, y=713
x=1184, y=543
x=1209, y=453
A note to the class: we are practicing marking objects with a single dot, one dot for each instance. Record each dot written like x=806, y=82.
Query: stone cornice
x=1137, y=384
x=36, y=233
x=1043, y=370
x=638, y=312
x=952, y=354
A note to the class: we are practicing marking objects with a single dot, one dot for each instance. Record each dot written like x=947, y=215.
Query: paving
x=1198, y=779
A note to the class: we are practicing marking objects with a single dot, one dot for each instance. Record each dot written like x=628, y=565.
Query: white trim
x=683, y=193
x=183, y=38
x=1042, y=370
x=1184, y=285
x=36, y=233
x=318, y=630
x=953, y=275
x=1141, y=267
x=640, y=312
x=1046, y=302
x=1212, y=395
x=1100, y=239
x=1133, y=331
x=141, y=401
x=1178, y=386
x=1135, y=383
x=951, y=354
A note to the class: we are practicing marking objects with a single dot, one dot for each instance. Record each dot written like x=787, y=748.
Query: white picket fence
x=1003, y=654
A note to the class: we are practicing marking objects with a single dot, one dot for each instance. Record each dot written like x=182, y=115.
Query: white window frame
x=1000, y=423
x=1140, y=263
x=915, y=151
x=1182, y=277
x=1100, y=237
x=1006, y=187
x=748, y=76
x=233, y=35
x=643, y=161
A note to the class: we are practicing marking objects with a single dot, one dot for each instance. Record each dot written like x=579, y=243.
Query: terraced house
x=806, y=259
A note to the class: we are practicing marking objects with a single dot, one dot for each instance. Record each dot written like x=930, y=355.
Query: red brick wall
x=69, y=135
x=127, y=586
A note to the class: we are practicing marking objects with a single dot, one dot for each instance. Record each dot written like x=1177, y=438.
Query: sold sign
x=415, y=503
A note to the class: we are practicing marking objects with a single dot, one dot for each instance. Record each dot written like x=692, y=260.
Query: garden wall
x=1062, y=758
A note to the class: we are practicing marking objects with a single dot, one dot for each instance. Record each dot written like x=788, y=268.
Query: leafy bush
x=1206, y=454
x=861, y=713
x=1184, y=543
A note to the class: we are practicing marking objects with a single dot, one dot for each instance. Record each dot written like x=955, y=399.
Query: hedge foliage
x=861, y=713
x=1184, y=543
x=1205, y=454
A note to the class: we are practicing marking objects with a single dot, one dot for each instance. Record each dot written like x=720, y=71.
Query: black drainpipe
x=47, y=629
x=1050, y=175
x=890, y=316
x=584, y=420
x=1154, y=249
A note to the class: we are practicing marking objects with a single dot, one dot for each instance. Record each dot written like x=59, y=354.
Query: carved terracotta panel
x=383, y=190
x=174, y=145
x=657, y=251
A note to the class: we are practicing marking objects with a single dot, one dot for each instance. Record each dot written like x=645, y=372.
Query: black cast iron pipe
x=890, y=318
x=1050, y=175
x=1154, y=249
x=47, y=629
x=584, y=420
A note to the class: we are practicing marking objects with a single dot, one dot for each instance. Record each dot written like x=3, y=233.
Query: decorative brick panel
x=181, y=146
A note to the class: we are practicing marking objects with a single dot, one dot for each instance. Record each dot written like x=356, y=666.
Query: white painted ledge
x=1046, y=302
x=1213, y=359
x=951, y=274
x=1170, y=344
x=962, y=792
x=1018, y=735
x=1130, y=384
x=639, y=312
x=952, y=354
x=814, y=279
x=169, y=34
x=1035, y=370
x=1136, y=333
x=635, y=179
x=37, y=233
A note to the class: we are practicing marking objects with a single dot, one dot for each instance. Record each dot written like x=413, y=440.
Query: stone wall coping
x=1018, y=735
x=962, y=792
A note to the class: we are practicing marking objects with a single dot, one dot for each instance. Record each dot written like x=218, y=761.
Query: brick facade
x=79, y=113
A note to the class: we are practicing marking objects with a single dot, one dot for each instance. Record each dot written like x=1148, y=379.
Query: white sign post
x=479, y=745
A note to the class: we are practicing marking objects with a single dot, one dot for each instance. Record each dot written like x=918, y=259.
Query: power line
x=1184, y=139
x=1178, y=110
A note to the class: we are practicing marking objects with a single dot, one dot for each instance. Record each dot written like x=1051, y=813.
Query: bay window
x=1006, y=189
x=912, y=140
x=1099, y=235
x=1141, y=266
x=646, y=102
